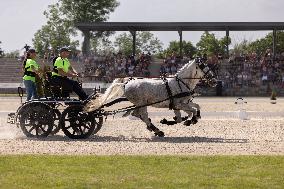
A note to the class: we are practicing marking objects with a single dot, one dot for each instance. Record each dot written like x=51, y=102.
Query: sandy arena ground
x=219, y=132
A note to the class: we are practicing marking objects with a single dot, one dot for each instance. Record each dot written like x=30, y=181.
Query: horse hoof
x=187, y=122
x=171, y=123
x=160, y=134
x=164, y=121
x=194, y=120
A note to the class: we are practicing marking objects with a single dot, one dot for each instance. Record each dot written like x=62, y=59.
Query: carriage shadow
x=97, y=138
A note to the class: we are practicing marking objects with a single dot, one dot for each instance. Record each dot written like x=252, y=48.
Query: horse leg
x=197, y=107
x=197, y=115
x=143, y=115
x=177, y=119
x=187, y=108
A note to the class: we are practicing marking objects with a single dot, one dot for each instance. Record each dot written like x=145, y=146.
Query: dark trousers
x=69, y=85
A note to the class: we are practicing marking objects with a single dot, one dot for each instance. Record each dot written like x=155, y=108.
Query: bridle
x=208, y=74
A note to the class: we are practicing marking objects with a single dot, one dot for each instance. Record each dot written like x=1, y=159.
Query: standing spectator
x=31, y=69
x=27, y=47
x=131, y=70
x=173, y=69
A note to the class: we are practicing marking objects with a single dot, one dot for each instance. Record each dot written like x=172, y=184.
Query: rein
x=130, y=108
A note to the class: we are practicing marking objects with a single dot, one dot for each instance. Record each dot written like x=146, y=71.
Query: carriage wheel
x=56, y=126
x=35, y=119
x=77, y=124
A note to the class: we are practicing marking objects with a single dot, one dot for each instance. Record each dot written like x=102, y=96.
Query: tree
x=223, y=42
x=145, y=42
x=124, y=43
x=102, y=44
x=187, y=48
x=13, y=54
x=88, y=11
x=241, y=48
x=260, y=46
x=56, y=33
x=209, y=44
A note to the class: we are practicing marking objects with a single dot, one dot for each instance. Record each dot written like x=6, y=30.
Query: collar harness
x=207, y=74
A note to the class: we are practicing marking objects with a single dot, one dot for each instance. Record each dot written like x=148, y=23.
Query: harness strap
x=171, y=99
x=180, y=80
x=133, y=107
x=29, y=73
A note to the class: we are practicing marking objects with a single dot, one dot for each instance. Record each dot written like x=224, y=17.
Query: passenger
x=31, y=69
x=62, y=69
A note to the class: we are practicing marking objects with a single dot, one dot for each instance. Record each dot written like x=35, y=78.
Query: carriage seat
x=56, y=90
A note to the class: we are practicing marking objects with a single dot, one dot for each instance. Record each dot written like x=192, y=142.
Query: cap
x=64, y=49
x=32, y=51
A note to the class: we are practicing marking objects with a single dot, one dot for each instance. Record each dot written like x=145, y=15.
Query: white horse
x=174, y=93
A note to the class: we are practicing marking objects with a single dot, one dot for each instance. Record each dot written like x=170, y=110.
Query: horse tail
x=115, y=90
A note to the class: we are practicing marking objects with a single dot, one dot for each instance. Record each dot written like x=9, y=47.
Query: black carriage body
x=42, y=117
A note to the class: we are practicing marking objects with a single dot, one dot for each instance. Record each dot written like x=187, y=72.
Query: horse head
x=204, y=72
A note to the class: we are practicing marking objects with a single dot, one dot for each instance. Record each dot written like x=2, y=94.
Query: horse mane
x=184, y=67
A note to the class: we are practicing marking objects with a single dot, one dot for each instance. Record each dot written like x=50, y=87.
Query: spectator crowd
x=253, y=70
x=107, y=67
x=239, y=70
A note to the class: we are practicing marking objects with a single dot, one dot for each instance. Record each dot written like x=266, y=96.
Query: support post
x=133, y=33
x=180, y=43
x=274, y=44
x=227, y=43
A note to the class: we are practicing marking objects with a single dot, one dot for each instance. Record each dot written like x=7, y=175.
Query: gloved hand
x=80, y=75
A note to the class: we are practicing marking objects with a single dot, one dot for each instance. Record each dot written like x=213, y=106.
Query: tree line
x=60, y=31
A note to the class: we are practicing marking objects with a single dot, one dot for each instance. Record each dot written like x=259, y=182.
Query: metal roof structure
x=180, y=26
x=133, y=27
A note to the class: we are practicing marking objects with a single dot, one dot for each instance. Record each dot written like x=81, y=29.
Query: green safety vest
x=62, y=63
x=29, y=74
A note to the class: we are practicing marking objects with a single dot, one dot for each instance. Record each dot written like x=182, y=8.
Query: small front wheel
x=35, y=119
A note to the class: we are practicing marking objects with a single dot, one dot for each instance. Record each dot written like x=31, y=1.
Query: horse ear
x=198, y=60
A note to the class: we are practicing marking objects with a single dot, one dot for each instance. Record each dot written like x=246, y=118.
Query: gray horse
x=174, y=93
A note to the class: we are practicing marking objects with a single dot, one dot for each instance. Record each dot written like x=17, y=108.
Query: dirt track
x=211, y=135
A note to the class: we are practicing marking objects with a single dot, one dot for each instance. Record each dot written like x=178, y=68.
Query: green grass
x=9, y=95
x=30, y=171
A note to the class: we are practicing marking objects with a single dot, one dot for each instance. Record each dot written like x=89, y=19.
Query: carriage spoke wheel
x=56, y=126
x=35, y=119
x=77, y=124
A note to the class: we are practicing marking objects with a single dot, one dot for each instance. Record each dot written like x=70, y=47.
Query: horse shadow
x=98, y=138
x=197, y=139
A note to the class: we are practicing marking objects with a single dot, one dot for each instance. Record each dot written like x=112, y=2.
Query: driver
x=62, y=69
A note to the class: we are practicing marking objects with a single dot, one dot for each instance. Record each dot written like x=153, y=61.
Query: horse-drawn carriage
x=54, y=112
x=80, y=119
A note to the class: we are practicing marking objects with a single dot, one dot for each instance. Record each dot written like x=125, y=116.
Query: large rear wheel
x=77, y=124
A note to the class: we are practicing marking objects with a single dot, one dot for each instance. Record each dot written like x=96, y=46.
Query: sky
x=20, y=19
